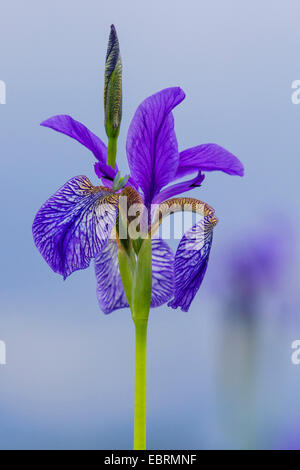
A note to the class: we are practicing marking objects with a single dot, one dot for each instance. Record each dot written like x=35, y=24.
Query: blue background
x=69, y=378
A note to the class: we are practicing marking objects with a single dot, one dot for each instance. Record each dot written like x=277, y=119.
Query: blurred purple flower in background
x=256, y=264
x=289, y=439
x=255, y=273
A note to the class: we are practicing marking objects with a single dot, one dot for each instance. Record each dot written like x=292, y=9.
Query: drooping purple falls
x=77, y=222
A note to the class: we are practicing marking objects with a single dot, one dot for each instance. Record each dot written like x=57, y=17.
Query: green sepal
x=126, y=265
x=137, y=244
x=120, y=181
x=142, y=282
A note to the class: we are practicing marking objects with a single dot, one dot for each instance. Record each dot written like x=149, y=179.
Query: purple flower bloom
x=256, y=264
x=75, y=224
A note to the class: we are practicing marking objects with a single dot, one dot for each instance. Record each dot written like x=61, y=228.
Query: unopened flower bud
x=112, y=95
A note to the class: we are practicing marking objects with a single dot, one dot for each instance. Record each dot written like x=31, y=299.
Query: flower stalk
x=141, y=301
x=140, y=384
x=136, y=275
x=112, y=151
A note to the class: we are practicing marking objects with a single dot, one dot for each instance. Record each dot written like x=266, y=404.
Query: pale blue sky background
x=68, y=382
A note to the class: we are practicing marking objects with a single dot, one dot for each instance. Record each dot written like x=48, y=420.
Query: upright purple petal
x=208, y=157
x=74, y=225
x=152, y=147
x=191, y=261
x=110, y=291
x=69, y=126
x=179, y=188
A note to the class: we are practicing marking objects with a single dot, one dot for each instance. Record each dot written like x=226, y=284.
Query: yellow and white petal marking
x=174, y=205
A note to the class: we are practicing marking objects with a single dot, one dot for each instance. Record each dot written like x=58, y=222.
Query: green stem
x=140, y=384
x=112, y=151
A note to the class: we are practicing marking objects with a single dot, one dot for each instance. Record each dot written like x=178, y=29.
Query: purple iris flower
x=257, y=264
x=74, y=225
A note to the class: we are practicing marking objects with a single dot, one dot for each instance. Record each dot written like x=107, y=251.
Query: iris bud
x=112, y=95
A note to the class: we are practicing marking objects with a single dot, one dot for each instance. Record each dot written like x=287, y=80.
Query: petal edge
x=191, y=260
x=74, y=224
x=208, y=157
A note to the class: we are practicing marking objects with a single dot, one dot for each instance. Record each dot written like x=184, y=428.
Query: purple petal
x=107, y=177
x=74, y=225
x=152, y=147
x=69, y=126
x=110, y=290
x=100, y=171
x=208, y=157
x=178, y=188
x=190, y=264
x=162, y=272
